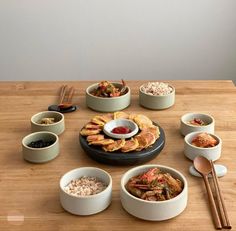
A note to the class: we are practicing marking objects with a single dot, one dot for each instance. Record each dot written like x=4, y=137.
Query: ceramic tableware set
x=87, y=205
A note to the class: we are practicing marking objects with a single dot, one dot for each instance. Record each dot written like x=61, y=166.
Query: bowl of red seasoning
x=120, y=128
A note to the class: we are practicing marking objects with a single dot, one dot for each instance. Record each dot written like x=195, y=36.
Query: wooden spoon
x=203, y=166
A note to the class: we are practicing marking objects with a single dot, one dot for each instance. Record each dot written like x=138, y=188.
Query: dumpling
x=142, y=121
x=95, y=137
x=118, y=144
x=88, y=132
x=130, y=145
x=102, y=142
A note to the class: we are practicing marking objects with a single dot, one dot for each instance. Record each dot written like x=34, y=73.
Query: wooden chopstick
x=70, y=95
x=223, y=219
x=220, y=200
x=62, y=94
x=213, y=208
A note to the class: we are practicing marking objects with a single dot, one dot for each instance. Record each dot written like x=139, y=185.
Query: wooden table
x=29, y=192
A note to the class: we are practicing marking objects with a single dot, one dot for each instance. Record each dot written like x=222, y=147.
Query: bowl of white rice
x=156, y=95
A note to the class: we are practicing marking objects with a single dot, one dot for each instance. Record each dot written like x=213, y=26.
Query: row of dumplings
x=148, y=133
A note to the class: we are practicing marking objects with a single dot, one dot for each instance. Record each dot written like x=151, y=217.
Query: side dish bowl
x=156, y=102
x=57, y=127
x=153, y=210
x=186, y=127
x=192, y=151
x=108, y=127
x=86, y=205
x=40, y=155
x=111, y=104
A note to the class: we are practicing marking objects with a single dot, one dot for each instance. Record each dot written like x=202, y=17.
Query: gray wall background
x=114, y=39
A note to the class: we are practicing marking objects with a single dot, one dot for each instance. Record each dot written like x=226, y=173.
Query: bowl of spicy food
x=154, y=192
x=196, y=122
x=202, y=144
x=108, y=96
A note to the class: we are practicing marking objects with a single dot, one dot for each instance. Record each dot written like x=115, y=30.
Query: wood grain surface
x=29, y=193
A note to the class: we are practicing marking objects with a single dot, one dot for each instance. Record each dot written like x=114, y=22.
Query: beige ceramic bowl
x=107, y=104
x=58, y=127
x=40, y=155
x=86, y=205
x=153, y=210
x=192, y=151
x=186, y=128
x=156, y=102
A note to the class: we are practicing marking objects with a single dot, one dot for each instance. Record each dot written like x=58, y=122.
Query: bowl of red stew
x=153, y=192
x=120, y=128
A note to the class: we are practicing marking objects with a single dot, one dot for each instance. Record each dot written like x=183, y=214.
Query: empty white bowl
x=86, y=205
x=186, y=128
x=58, y=127
x=108, y=127
x=153, y=210
x=191, y=151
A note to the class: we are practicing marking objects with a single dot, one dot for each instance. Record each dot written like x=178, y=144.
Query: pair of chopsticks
x=223, y=221
x=63, y=101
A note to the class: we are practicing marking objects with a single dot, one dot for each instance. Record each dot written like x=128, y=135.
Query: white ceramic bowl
x=58, y=127
x=153, y=210
x=86, y=205
x=108, y=127
x=192, y=151
x=40, y=155
x=186, y=128
x=102, y=104
x=156, y=102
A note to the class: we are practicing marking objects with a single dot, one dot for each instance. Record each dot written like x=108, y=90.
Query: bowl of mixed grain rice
x=156, y=95
x=85, y=190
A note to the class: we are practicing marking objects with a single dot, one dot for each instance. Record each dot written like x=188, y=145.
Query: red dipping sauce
x=121, y=130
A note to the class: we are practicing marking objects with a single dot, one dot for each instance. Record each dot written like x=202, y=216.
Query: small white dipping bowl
x=58, y=127
x=156, y=102
x=108, y=127
x=86, y=205
x=186, y=128
x=153, y=210
x=191, y=151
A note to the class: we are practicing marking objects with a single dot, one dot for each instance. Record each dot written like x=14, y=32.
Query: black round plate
x=120, y=158
x=56, y=108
